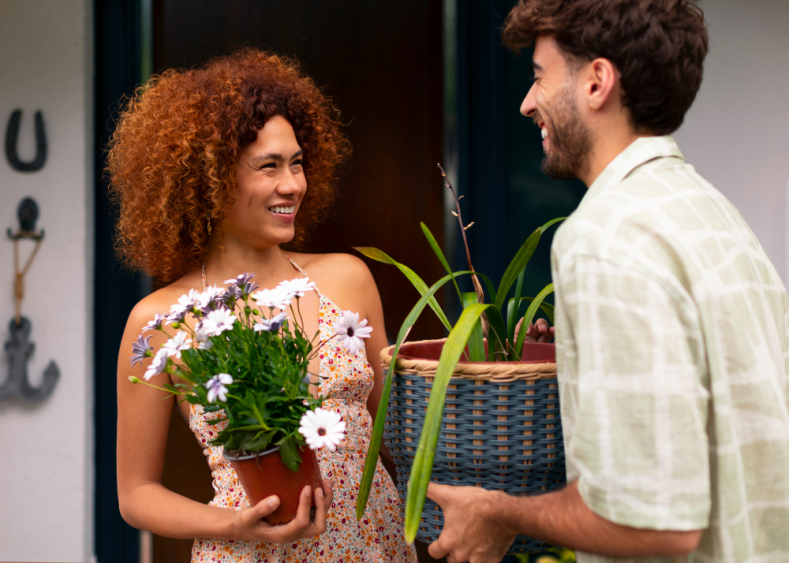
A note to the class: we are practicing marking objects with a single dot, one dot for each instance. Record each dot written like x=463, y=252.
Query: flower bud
x=176, y=325
x=133, y=379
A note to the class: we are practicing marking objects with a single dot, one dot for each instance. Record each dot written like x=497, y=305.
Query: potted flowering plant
x=236, y=353
x=504, y=431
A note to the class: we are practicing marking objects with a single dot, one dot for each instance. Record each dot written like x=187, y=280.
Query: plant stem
x=459, y=215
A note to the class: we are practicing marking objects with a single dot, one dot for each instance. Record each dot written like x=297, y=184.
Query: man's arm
x=480, y=525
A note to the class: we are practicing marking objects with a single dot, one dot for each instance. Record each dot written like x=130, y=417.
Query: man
x=671, y=322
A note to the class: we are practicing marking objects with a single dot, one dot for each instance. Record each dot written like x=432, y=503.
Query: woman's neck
x=269, y=265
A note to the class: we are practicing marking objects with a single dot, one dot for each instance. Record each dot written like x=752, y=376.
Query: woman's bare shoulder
x=343, y=277
x=161, y=300
x=333, y=268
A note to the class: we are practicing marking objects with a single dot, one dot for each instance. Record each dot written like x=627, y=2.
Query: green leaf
x=497, y=337
x=547, y=308
x=514, y=307
x=417, y=282
x=434, y=245
x=426, y=450
x=378, y=427
x=517, y=265
x=530, y=312
x=476, y=345
x=520, y=261
x=289, y=452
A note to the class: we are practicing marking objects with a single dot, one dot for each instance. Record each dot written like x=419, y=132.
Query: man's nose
x=528, y=107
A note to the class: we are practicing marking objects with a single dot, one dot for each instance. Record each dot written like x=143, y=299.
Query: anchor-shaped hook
x=20, y=348
x=11, y=136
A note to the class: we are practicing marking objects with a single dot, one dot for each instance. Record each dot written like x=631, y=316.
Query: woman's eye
x=270, y=165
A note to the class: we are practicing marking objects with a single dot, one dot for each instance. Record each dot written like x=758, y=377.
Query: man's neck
x=607, y=145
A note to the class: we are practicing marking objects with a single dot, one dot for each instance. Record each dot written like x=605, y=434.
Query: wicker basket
x=500, y=430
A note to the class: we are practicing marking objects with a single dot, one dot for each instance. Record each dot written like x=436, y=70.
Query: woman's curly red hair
x=172, y=158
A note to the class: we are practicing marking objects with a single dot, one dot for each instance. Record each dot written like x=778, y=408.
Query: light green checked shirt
x=673, y=355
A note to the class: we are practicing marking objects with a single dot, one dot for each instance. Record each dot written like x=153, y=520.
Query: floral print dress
x=378, y=537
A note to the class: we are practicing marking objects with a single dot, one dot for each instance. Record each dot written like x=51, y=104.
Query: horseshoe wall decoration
x=11, y=137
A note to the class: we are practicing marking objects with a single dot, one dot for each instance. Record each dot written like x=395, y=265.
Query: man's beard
x=569, y=139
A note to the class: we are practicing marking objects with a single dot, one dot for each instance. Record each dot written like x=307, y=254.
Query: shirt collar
x=640, y=151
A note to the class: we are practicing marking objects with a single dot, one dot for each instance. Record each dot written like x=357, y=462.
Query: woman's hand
x=248, y=523
x=540, y=331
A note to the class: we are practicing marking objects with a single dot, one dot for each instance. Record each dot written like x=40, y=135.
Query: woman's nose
x=289, y=183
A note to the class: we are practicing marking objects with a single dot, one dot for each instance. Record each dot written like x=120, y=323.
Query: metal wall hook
x=11, y=137
x=27, y=214
x=19, y=349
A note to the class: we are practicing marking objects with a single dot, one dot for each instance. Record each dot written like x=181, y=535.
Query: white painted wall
x=737, y=132
x=46, y=456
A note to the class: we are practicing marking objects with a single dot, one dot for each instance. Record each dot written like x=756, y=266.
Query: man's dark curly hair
x=173, y=156
x=658, y=46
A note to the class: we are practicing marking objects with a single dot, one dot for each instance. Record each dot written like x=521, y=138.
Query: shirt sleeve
x=637, y=375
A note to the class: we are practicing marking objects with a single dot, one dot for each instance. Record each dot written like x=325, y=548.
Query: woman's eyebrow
x=277, y=157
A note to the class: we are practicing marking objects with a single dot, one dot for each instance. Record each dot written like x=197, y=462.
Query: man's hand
x=539, y=331
x=470, y=531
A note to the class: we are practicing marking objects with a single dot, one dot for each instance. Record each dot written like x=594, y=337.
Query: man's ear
x=601, y=82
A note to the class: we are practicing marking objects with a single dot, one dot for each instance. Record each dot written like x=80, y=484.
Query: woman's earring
x=208, y=216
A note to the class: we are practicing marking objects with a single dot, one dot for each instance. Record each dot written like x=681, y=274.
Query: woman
x=214, y=169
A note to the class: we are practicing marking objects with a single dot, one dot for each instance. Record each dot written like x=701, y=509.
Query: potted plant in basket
x=236, y=353
x=503, y=430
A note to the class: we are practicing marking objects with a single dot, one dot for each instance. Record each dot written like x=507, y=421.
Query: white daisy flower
x=322, y=428
x=350, y=331
x=188, y=300
x=277, y=298
x=209, y=298
x=177, y=343
x=157, y=365
x=177, y=314
x=298, y=287
x=216, y=387
x=201, y=337
x=216, y=322
x=271, y=325
x=156, y=323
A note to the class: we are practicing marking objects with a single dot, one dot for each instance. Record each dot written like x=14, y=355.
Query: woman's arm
x=143, y=420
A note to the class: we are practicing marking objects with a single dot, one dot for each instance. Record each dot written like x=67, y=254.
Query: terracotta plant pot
x=264, y=474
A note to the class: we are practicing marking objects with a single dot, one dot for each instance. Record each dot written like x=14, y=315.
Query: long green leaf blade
x=378, y=427
x=416, y=281
x=512, y=319
x=520, y=261
x=426, y=450
x=517, y=265
x=530, y=312
x=441, y=258
x=547, y=308
x=476, y=344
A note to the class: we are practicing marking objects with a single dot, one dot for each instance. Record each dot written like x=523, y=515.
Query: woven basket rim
x=496, y=371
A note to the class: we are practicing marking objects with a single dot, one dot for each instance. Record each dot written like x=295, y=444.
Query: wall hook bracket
x=19, y=347
x=12, y=136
